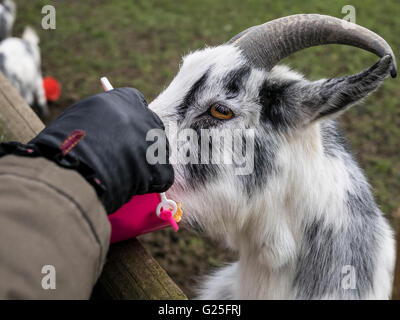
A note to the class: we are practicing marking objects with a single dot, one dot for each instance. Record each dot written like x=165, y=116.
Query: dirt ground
x=185, y=256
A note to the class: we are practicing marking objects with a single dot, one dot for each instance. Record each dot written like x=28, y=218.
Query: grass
x=140, y=44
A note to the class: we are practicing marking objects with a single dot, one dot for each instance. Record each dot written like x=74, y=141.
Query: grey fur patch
x=325, y=252
x=264, y=163
x=234, y=81
x=280, y=106
x=190, y=97
x=2, y=63
x=224, y=294
x=3, y=28
x=200, y=174
x=334, y=142
x=195, y=226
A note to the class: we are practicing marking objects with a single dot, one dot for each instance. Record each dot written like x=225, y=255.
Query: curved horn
x=266, y=44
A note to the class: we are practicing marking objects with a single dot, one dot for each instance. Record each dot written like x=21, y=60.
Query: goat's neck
x=309, y=186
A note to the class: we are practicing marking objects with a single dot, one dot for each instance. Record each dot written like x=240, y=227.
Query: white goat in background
x=20, y=63
x=305, y=218
x=8, y=11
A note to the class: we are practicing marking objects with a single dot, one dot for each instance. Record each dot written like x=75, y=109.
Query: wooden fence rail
x=130, y=271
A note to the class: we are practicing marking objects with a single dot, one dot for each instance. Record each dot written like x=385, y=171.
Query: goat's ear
x=331, y=97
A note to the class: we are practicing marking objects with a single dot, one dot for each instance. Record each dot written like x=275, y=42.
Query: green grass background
x=140, y=44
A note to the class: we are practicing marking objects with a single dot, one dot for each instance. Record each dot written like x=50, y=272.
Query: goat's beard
x=209, y=208
x=181, y=192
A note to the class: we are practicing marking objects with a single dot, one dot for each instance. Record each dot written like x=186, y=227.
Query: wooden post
x=396, y=282
x=130, y=271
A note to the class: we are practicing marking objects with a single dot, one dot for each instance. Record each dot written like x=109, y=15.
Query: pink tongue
x=166, y=215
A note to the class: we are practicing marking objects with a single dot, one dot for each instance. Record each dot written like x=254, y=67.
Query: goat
x=304, y=221
x=8, y=11
x=20, y=63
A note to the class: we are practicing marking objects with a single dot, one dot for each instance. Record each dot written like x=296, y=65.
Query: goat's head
x=238, y=86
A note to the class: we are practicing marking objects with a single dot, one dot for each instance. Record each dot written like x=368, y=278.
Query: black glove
x=104, y=138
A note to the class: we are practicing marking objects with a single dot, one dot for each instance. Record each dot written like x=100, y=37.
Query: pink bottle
x=143, y=214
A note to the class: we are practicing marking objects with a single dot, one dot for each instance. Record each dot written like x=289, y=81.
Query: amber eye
x=221, y=112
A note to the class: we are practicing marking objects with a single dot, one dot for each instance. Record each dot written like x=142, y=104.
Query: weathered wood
x=130, y=266
x=396, y=282
x=130, y=272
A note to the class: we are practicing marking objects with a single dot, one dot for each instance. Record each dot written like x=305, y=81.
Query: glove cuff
x=56, y=155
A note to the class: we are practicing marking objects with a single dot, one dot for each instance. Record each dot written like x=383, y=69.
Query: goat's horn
x=266, y=44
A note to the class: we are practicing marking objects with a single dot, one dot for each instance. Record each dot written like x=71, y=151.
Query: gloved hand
x=104, y=138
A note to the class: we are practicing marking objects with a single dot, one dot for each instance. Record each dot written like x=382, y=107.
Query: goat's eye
x=221, y=112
